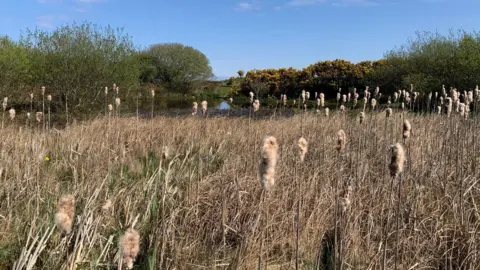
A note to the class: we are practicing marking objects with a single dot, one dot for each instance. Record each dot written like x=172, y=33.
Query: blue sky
x=255, y=34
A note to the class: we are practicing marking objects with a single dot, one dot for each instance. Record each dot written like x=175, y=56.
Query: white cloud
x=247, y=6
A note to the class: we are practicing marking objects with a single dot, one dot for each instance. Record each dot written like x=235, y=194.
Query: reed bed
x=199, y=205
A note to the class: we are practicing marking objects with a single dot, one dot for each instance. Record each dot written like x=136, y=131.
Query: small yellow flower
x=47, y=158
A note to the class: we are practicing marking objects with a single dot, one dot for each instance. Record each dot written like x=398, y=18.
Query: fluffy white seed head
x=303, y=148
x=39, y=117
x=65, y=213
x=11, y=113
x=397, y=159
x=129, y=245
x=49, y=98
x=117, y=102
x=388, y=112
x=407, y=129
x=268, y=163
x=194, y=108
x=43, y=90
x=5, y=103
x=341, y=140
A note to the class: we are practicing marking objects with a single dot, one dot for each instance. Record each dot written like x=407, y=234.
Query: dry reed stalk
x=49, y=101
x=43, y=105
x=4, y=106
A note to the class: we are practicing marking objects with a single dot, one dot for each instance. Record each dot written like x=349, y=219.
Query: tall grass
x=198, y=207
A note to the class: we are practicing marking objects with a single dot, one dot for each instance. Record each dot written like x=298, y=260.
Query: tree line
x=427, y=62
x=76, y=62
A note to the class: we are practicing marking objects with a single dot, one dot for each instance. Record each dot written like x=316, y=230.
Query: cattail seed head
x=397, y=159
x=344, y=98
x=28, y=115
x=65, y=212
x=204, y=105
x=407, y=128
x=43, y=90
x=307, y=95
x=230, y=100
x=374, y=103
x=152, y=92
x=194, y=108
x=11, y=113
x=303, y=148
x=5, y=103
x=106, y=91
x=388, y=112
x=362, y=117
x=268, y=163
x=117, y=90
x=342, y=108
x=327, y=112
x=256, y=105
x=110, y=107
x=39, y=116
x=129, y=245
x=251, y=97
x=341, y=140
x=49, y=98
x=31, y=96
x=117, y=102
x=439, y=109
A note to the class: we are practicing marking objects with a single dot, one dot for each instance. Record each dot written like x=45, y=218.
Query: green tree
x=240, y=73
x=75, y=62
x=14, y=70
x=180, y=68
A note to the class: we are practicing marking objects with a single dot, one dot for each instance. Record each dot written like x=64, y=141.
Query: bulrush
x=362, y=117
x=407, y=129
x=341, y=140
x=303, y=148
x=204, y=105
x=439, y=110
x=395, y=97
x=342, y=108
x=397, y=159
x=339, y=96
x=344, y=98
x=318, y=102
x=268, y=162
x=110, y=107
x=230, y=100
x=65, y=212
x=106, y=91
x=117, y=102
x=285, y=100
x=374, y=103
x=307, y=95
x=322, y=99
x=129, y=245
x=256, y=105
x=194, y=108
x=39, y=117
x=251, y=97
x=388, y=112
x=303, y=96
x=461, y=109
x=49, y=98
x=11, y=112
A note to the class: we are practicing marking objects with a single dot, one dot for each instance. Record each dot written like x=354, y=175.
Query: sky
x=255, y=34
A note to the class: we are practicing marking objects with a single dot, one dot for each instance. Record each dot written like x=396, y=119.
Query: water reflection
x=223, y=105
